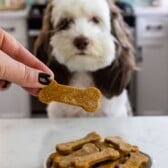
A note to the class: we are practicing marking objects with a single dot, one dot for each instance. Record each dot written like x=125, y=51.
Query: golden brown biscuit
x=95, y=158
x=112, y=164
x=69, y=147
x=88, y=99
x=67, y=161
x=120, y=144
x=51, y=159
x=136, y=160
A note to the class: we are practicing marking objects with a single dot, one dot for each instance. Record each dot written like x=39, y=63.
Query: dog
x=86, y=43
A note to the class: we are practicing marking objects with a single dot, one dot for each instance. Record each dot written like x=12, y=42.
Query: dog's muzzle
x=81, y=42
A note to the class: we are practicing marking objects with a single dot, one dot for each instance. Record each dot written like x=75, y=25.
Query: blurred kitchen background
x=148, y=22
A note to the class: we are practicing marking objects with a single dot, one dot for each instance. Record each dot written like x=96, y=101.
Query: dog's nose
x=81, y=42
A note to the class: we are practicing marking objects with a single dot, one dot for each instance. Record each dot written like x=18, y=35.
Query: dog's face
x=79, y=35
x=82, y=40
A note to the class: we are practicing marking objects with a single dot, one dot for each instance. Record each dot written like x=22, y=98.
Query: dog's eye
x=95, y=20
x=64, y=24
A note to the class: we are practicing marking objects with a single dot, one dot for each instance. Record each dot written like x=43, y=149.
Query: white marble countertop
x=26, y=143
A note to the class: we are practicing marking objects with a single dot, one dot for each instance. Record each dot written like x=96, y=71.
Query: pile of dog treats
x=92, y=152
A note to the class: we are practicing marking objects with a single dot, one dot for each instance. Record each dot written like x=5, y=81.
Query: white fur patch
x=81, y=9
x=101, y=49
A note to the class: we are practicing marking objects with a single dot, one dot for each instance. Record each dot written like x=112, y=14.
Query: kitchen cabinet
x=152, y=84
x=15, y=101
x=152, y=79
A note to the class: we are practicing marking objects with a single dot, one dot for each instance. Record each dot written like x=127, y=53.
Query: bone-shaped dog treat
x=120, y=144
x=132, y=160
x=88, y=99
x=95, y=158
x=66, y=148
x=112, y=164
x=52, y=157
x=66, y=161
x=136, y=160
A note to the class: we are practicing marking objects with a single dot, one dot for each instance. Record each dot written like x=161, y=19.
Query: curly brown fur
x=114, y=78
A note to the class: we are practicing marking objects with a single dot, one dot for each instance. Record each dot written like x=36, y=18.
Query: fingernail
x=44, y=78
x=6, y=85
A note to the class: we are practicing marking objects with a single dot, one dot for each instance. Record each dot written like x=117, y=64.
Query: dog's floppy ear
x=114, y=78
x=42, y=49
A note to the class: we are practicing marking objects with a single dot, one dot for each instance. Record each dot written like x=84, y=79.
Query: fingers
x=32, y=91
x=14, y=49
x=25, y=76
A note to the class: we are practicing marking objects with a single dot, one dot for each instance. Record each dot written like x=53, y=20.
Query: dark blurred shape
x=127, y=12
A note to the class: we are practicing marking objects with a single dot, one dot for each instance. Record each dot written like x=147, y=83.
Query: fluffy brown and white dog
x=86, y=43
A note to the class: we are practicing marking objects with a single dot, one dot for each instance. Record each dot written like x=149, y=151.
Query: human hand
x=19, y=66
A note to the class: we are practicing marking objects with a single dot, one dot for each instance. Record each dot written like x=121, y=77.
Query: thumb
x=23, y=75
